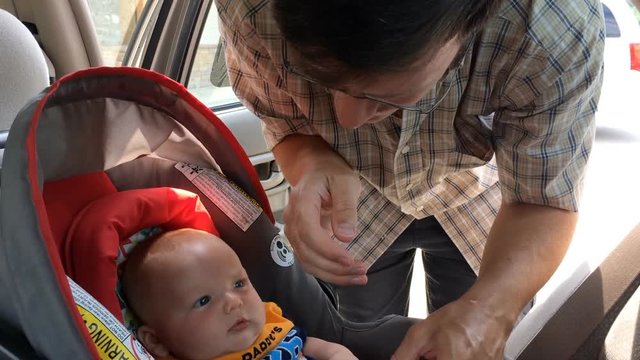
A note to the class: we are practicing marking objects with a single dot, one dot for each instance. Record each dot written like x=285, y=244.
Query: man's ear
x=151, y=342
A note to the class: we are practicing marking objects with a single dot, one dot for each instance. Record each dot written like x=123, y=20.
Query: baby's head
x=192, y=296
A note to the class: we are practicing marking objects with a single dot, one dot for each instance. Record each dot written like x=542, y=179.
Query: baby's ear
x=151, y=342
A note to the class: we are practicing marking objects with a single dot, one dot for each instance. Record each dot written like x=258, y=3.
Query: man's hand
x=461, y=330
x=321, y=209
x=525, y=246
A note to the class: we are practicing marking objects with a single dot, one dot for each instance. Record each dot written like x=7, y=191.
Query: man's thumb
x=344, y=191
x=343, y=220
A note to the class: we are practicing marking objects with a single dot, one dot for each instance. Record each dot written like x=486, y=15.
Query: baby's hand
x=324, y=350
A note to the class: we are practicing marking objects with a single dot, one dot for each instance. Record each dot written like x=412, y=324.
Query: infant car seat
x=114, y=129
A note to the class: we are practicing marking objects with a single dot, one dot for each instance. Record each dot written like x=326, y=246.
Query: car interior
x=590, y=309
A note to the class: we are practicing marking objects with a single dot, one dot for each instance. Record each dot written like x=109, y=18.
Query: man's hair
x=366, y=36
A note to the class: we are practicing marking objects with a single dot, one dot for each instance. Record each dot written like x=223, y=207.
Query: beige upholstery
x=23, y=70
x=623, y=340
x=598, y=321
x=8, y=5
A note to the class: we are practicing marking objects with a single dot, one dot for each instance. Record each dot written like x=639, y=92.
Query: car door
x=181, y=40
x=622, y=67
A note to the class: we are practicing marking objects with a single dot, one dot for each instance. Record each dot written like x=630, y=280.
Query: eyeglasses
x=425, y=105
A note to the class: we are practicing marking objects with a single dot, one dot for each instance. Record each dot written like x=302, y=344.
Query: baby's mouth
x=239, y=325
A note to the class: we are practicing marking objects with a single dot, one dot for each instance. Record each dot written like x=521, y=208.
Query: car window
x=208, y=80
x=115, y=21
x=611, y=25
x=636, y=10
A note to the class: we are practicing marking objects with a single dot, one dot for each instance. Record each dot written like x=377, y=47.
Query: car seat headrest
x=23, y=68
x=103, y=230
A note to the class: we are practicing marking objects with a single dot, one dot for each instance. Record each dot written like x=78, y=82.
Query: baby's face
x=203, y=303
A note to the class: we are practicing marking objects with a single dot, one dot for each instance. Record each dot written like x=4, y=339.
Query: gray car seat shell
x=135, y=125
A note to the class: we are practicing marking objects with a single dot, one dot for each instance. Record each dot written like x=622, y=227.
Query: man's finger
x=329, y=270
x=308, y=230
x=335, y=278
x=406, y=351
x=415, y=343
x=332, y=265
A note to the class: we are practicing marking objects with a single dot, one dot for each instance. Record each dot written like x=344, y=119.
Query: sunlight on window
x=208, y=80
x=115, y=21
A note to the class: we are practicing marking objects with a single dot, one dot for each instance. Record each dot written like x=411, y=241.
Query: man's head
x=393, y=50
x=192, y=295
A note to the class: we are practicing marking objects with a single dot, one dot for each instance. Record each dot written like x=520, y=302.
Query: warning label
x=232, y=200
x=112, y=340
x=108, y=344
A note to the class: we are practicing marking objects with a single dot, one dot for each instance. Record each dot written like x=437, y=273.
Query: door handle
x=275, y=179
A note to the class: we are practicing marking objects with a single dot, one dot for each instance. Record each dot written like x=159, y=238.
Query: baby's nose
x=232, y=302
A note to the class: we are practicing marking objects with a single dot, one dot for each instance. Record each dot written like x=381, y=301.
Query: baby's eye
x=239, y=284
x=203, y=301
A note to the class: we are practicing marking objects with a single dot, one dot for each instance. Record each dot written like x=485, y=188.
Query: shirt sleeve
x=544, y=130
x=253, y=52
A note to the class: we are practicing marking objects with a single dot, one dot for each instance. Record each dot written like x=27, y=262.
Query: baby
x=194, y=301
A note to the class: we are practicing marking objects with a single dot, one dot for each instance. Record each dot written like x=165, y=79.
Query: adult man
x=394, y=120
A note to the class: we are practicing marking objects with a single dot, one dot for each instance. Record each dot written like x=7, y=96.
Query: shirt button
x=420, y=208
x=409, y=187
x=405, y=149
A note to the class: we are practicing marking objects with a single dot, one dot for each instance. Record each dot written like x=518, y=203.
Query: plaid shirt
x=517, y=124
